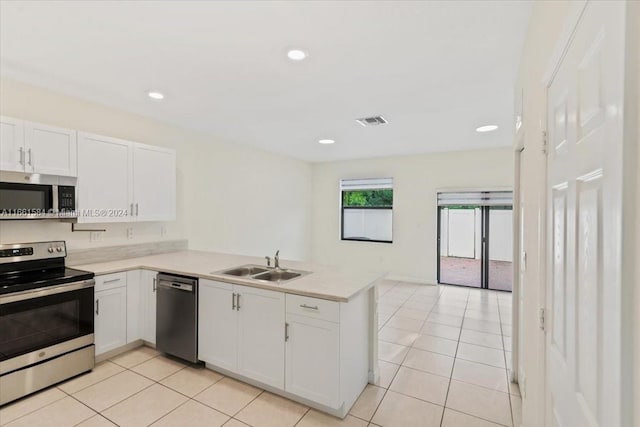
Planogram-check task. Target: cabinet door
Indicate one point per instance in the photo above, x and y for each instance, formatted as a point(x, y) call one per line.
point(312, 359)
point(50, 150)
point(154, 180)
point(148, 290)
point(110, 319)
point(217, 324)
point(261, 335)
point(104, 179)
point(12, 155)
point(135, 306)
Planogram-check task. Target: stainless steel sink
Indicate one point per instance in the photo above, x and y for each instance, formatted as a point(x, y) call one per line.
point(245, 270)
point(277, 275)
point(261, 273)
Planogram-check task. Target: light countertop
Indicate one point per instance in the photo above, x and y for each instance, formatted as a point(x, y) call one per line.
point(331, 283)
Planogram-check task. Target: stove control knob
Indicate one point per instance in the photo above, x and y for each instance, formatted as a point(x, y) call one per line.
point(59, 249)
point(50, 250)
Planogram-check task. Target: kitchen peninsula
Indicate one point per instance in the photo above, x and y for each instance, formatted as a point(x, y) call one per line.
point(311, 339)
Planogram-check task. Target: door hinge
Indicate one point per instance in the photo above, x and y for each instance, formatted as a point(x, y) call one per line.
point(542, 319)
point(545, 142)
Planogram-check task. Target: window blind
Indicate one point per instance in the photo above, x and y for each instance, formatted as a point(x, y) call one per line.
point(366, 184)
point(476, 198)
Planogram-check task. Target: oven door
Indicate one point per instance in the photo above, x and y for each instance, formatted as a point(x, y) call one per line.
point(40, 324)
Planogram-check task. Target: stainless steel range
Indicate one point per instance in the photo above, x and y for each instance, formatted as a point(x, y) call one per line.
point(46, 318)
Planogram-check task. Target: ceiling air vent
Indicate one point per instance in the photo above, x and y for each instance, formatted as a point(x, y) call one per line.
point(372, 121)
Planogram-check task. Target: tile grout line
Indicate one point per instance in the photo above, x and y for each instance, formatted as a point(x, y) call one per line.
point(446, 397)
point(507, 372)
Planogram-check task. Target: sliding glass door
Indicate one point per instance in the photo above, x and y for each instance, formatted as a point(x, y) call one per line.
point(475, 240)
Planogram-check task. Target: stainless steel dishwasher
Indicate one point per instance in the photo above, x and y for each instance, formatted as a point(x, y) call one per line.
point(177, 316)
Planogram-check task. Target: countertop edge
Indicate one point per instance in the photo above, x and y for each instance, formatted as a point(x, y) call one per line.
point(237, 282)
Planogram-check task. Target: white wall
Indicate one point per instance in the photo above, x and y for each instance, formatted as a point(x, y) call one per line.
point(416, 180)
point(230, 198)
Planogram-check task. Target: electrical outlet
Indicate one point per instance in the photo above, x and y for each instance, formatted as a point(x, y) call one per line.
point(96, 236)
point(163, 231)
point(130, 233)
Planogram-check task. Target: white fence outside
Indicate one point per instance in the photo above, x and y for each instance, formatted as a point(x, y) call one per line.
point(461, 234)
point(372, 224)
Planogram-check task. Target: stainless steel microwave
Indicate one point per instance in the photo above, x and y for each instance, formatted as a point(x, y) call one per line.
point(36, 200)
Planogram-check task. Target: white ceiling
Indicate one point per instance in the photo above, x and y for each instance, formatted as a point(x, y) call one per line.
point(436, 70)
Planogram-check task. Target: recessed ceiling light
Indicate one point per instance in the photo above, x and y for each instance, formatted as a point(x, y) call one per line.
point(326, 141)
point(296, 54)
point(486, 128)
point(155, 95)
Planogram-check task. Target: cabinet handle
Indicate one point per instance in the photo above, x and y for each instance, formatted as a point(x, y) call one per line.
point(154, 284)
point(131, 209)
point(238, 302)
point(111, 280)
point(286, 332)
point(136, 209)
point(233, 301)
point(314, 307)
point(21, 151)
point(97, 307)
point(30, 157)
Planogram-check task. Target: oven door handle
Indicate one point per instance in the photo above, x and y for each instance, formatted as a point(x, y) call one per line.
point(37, 293)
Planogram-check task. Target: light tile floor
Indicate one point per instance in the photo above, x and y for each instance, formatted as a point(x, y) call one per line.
point(444, 355)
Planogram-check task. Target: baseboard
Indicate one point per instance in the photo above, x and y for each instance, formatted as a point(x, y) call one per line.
point(410, 279)
point(118, 351)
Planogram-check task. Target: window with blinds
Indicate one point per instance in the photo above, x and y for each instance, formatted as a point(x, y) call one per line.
point(367, 209)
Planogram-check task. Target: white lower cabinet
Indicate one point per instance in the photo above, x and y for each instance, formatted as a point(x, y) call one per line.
point(241, 329)
point(148, 309)
point(125, 309)
point(313, 359)
point(110, 312)
point(217, 324)
point(261, 329)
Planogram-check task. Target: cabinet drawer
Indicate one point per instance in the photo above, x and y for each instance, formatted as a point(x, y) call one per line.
point(111, 281)
point(313, 307)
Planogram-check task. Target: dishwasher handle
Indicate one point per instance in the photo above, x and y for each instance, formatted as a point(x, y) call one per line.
point(162, 284)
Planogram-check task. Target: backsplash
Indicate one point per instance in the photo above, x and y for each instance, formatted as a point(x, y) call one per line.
point(113, 253)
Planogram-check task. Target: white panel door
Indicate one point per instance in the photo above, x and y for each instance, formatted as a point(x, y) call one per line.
point(217, 324)
point(148, 291)
point(261, 335)
point(313, 359)
point(583, 342)
point(12, 155)
point(105, 183)
point(110, 319)
point(154, 183)
point(50, 150)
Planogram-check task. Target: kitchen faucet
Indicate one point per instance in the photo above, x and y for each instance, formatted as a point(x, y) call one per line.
point(276, 260)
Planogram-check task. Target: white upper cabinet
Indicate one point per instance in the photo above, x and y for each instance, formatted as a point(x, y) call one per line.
point(154, 179)
point(50, 150)
point(124, 181)
point(37, 148)
point(105, 183)
point(12, 155)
